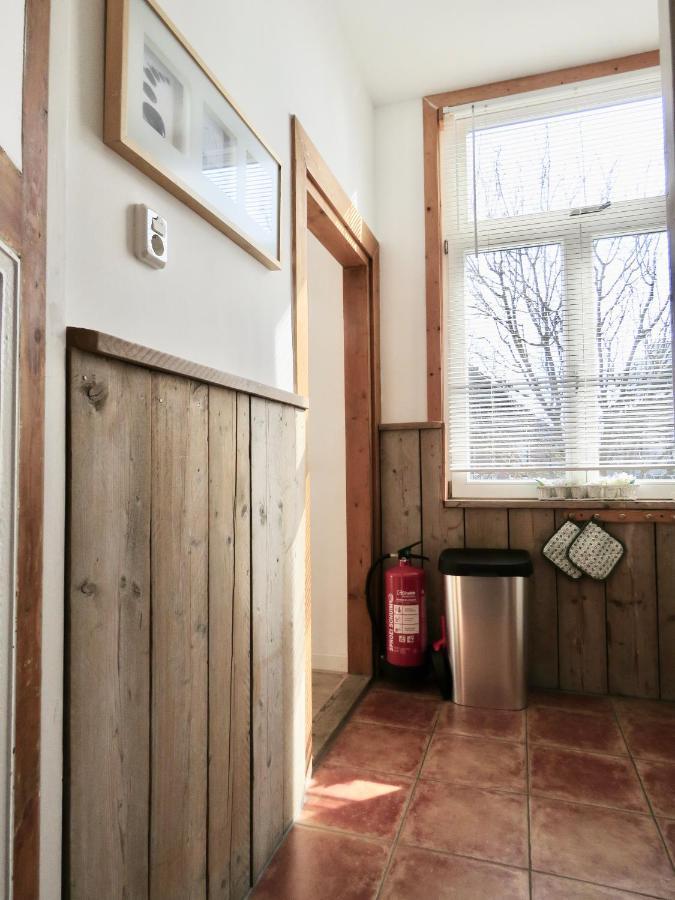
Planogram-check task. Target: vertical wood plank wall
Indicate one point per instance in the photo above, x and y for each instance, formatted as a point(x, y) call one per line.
point(612, 637)
point(185, 744)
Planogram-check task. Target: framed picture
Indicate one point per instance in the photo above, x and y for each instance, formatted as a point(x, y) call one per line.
point(167, 114)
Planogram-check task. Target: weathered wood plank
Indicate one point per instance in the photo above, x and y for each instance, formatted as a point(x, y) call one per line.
point(290, 478)
point(117, 348)
point(229, 646)
point(632, 634)
point(529, 529)
point(240, 704)
point(582, 639)
point(222, 518)
point(267, 633)
point(441, 527)
point(179, 638)
point(108, 638)
point(401, 489)
point(665, 574)
point(487, 528)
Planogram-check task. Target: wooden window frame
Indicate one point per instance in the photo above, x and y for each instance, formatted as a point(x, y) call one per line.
point(432, 108)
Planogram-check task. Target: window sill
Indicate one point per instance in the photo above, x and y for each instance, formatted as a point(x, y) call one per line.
point(506, 503)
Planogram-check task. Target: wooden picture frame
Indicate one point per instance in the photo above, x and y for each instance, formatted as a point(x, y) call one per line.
point(166, 113)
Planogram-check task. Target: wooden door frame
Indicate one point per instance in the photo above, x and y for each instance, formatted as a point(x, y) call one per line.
point(322, 207)
point(23, 207)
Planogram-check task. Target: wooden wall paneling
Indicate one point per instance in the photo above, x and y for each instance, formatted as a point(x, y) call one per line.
point(222, 519)
point(486, 528)
point(179, 698)
point(401, 489)
point(359, 469)
point(240, 725)
point(665, 575)
point(108, 616)
point(529, 529)
point(290, 481)
point(441, 527)
point(267, 583)
point(582, 636)
point(229, 646)
point(117, 348)
point(632, 631)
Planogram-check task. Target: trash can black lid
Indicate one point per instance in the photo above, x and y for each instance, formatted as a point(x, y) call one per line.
point(490, 563)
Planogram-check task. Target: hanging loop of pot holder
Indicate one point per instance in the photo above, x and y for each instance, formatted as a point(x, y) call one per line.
point(555, 549)
point(595, 552)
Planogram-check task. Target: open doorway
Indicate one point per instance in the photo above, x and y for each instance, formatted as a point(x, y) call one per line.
point(336, 261)
point(333, 688)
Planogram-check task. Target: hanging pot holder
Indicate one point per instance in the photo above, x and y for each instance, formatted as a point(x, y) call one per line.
point(595, 552)
point(555, 549)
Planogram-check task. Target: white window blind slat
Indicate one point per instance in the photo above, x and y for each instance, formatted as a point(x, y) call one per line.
point(559, 323)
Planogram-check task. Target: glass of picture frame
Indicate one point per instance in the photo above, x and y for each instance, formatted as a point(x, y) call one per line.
point(166, 113)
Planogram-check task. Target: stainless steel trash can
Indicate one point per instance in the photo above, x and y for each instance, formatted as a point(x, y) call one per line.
point(486, 616)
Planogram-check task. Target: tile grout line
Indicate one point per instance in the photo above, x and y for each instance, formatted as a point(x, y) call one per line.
point(413, 788)
point(644, 790)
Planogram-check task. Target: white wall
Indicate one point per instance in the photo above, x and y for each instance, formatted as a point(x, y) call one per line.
point(11, 77)
point(399, 225)
point(214, 303)
point(327, 460)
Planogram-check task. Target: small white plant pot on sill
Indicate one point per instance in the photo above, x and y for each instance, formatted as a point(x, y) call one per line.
point(579, 491)
point(544, 492)
point(610, 491)
point(593, 491)
point(560, 492)
point(628, 492)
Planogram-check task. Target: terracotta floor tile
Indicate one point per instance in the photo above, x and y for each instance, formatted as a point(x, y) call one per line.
point(585, 778)
point(650, 738)
point(392, 708)
point(658, 779)
point(356, 800)
point(607, 846)
point(313, 863)
point(425, 875)
point(577, 730)
point(589, 703)
point(428, 689)
point(550, 887)
point(468, 821)
point(631, 708)
point(506, 724)
point(378, 747)
point(461, 759)
point(668, 831)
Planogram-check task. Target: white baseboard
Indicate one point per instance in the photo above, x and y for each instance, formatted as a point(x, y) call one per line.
point(329, 663)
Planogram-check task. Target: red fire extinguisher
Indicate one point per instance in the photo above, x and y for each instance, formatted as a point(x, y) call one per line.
point(400, 627)
point(405, 614)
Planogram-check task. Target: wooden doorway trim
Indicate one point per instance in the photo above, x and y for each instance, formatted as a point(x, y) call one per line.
point(23, 207)
point(322, 207)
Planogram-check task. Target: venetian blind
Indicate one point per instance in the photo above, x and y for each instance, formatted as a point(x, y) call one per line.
point(559, 329)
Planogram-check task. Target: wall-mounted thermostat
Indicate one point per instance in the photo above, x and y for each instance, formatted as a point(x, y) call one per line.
point(150, 239)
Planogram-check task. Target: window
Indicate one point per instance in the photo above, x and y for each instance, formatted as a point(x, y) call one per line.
point(559, 328)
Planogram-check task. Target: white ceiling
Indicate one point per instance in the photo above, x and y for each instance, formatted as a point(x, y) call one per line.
point(408, 48)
